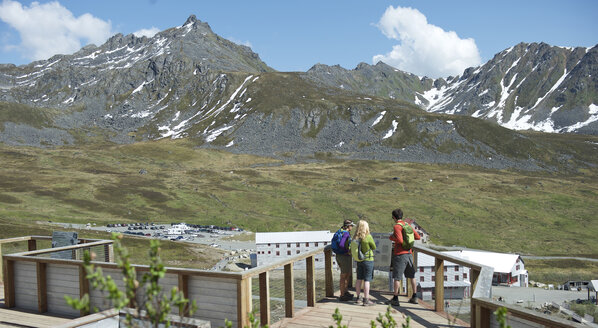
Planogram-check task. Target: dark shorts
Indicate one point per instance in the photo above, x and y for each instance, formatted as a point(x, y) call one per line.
point(402, 264)
point(365, 270)
point(345, 262)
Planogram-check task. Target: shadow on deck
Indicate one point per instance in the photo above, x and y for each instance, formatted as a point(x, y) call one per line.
point(354, 315)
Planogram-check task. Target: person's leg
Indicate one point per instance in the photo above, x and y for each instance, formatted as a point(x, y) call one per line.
point(344, 283)
point(366, 290)
point(358, 288)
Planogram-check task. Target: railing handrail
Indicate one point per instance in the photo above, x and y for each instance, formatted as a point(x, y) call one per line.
point(447, 257)
point(63, 248)
point(295, 258)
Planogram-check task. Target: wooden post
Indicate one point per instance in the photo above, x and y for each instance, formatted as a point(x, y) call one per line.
point(439, 285)
point(31, 245)
point(9, 284)
point(416, 270)
point(42, 289)
point(83, 286)
point(265, 298)
point(1, 266)
point(108, 253)
point(289, 291)
point(328, 273)
point(243, 301)
point(184, 289)
point(480, 317)
point(310, 281)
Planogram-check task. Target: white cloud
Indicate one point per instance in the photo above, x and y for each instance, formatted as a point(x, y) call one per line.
point(239, 42)
point(148, 32)
point(424, 49)
point(48, 29)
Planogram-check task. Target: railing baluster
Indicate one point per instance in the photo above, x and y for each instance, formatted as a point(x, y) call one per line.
point(310, 282)
point(439, 285)
point(9, 284)
point(31, 245)
point(243, 301)
point(42, 290)
point(83, 285)
point(289, 291)
point(265, 298)
point(328, 272)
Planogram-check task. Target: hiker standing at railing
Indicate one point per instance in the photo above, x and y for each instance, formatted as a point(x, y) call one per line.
point(340, 246)
point(362, 250)
point(403, 236)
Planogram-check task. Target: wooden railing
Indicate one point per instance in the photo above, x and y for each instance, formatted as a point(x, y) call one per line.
point(227, 295)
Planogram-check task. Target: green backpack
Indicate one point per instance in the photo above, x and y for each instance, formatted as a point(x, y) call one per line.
point(408, 236)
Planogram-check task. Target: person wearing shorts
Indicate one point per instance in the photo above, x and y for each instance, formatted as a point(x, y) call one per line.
point(344, 261)
point(402, 260)
point(365, 267)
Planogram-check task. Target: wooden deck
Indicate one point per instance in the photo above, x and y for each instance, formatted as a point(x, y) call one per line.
point(19, 318)
point(422, 315)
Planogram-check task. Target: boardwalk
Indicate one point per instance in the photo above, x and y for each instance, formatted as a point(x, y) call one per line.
point(355, 316)
point(16, 318)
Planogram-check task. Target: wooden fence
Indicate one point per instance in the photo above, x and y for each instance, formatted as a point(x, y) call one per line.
point(36, 282)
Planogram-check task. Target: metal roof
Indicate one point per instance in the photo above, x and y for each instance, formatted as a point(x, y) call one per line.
point(501, 262)
point(293, 237)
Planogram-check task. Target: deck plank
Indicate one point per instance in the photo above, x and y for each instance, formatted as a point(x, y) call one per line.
point(356, 315)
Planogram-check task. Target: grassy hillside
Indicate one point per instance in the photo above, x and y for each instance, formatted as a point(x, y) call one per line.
point(166, 181)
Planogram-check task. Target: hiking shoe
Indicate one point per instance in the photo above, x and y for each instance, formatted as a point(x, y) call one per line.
point(359, 300)
point(349, 295)
point(367, 302)
point(345, 298)
point(413, 300)
point(394, 302)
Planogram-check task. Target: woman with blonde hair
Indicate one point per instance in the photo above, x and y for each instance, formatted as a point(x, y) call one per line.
point(363, 240)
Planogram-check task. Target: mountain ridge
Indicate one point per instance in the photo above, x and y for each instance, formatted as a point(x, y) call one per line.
point(188, 82)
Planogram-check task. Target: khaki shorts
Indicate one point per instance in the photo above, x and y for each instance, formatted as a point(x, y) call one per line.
point(344, 261)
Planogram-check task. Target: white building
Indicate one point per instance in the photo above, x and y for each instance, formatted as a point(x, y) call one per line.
point(509, 269)
point(177, 229)
point(274, 246)
point(456, 279)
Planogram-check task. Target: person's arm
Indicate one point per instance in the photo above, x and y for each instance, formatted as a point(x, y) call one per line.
point(371, 242)
point(416, 235)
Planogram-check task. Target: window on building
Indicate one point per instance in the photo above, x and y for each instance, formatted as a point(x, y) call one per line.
point(316, 245)
point(433, 278)
point(269, 252)
point(288, 252)
point(317, 259)
point(277, 253)
point(325, 243)
point(445, 269)
point(422, 279)
point(456, 277)
point(465, 276)
point(306, 244)
point(421, 269)
point(277, 246)
point(517, 267)
point(298, 251)
point(297, 244)
point(456, 269)
point(268, 244)
point(445, 278)
point(288, 244)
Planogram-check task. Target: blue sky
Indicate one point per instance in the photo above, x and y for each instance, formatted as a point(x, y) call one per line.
point(433, 38)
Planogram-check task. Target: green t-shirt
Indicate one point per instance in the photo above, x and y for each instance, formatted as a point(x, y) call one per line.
point(367, 247)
